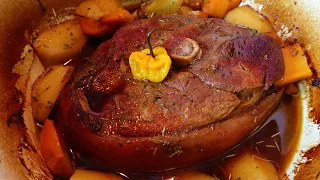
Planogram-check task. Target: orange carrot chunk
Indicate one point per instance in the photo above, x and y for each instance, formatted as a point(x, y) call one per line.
point(219, 8)
point(80, 174)
point(296, 65)
point(198, 13)
point(94, 27)
point(117, 19)
point(54, 151)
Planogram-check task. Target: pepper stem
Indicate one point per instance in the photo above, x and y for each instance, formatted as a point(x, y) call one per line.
point(149, 36)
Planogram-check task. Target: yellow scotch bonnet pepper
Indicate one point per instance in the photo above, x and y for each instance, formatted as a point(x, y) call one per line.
point(144, 66)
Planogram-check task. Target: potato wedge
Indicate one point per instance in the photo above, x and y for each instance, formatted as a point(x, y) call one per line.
point(249, 166)
point(246, 16)
point(162, 7)
point(46, 90)
point(89, 9)
point(194, 175)
point(80, 174)
point(60, 43)
point(54, 151)
point(109, 6)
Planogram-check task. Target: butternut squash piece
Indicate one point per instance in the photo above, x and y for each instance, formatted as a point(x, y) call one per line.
point(296, 65)
point(54, 151)
point(80, 174)
point(46, 90)
point(89, 9)
point(219, 8)
point(194, 175)
point(249, 166)
point(60, 43)
point(246, 16)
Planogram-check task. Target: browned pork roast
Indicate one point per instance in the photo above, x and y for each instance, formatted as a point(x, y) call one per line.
point(198, 112)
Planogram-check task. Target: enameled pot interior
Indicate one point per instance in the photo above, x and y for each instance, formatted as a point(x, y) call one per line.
point(18, 158)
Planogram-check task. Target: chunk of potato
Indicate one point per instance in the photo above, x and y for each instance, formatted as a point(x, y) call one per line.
point(249, 166)
point(161, 7)
point(80, 174)
point(89, 9)
point(55, 152)
point(109, 6)
point(194, 175)
point(46, 90)
point(246, 16)
point(296, 65)
point(60, 43)
point(131, 5)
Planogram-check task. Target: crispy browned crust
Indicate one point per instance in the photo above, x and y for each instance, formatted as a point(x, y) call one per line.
point(157, 153)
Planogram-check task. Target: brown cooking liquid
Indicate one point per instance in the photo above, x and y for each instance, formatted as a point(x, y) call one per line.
point(277, 141)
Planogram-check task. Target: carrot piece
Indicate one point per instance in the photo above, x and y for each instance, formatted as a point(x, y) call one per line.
point(135, 15)
point(296, 65)
point(80, 174)
point(219, 8)
point(117, 19)
point(94, 27)
point(198, 13)
point(54, 151)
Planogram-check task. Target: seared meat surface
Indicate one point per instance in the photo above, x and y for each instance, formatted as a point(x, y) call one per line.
point(223, 93)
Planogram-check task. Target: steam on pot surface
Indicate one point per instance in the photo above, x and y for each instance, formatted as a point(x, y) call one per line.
point(164, 89)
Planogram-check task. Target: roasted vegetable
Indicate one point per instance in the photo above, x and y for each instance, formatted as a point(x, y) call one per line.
point(161, 7)
point(296, 65)
point(46, 90)
point(151, 64)
point(60, 43)
point(117, 19)
point(184, 10)
point(219, 8)
point(194, 175)
point(132, 5)
point(198, 13)
point(249, 166)
point(97, 8)
point(80, 174)
point(107, 24)
point(144, 66)
point(95, 27)
point(194, 4)
point(55, 152)
point(89, 9)
point(109, 6)
point(246, 16)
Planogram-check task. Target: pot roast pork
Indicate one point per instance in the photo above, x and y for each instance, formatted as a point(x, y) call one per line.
point(197, 113)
